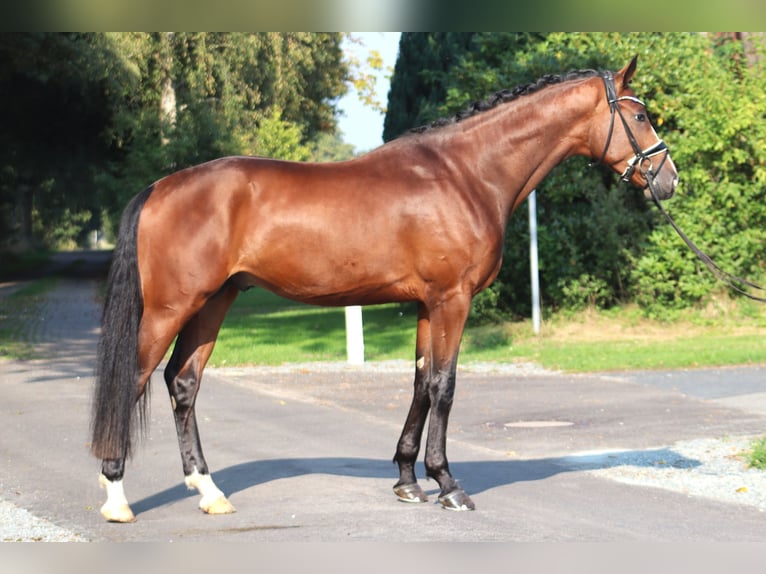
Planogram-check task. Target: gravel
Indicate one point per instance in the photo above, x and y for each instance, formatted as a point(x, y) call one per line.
point(709, 468)
point(20, 525)
point(392, 366)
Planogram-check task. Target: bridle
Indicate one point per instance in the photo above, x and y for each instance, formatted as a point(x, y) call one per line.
point(642, 158)
point(643, 162)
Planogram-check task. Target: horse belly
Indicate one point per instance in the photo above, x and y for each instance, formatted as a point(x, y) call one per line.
point(327, 273)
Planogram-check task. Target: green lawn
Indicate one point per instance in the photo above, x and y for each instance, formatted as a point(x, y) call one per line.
point(264, 329)
point(688, 352)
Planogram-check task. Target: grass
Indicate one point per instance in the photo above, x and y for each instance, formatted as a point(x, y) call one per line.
point(262, 328)
point(756, 458)
point(672, 346)
point(19, 316)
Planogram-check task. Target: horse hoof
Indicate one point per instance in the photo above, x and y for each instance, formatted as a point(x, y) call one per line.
point(117, 513)
point(220, 505)
point(116, 507)
point(457, 500)
point(410, 493)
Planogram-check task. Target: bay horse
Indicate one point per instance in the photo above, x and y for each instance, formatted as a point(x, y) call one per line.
point(419, 219)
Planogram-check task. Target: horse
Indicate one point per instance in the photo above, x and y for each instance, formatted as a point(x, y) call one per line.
point(419, 219)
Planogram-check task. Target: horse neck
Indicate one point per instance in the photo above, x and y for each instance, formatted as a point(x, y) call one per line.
point(510, 149)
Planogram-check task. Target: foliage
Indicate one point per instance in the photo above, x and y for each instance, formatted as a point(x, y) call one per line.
point(600, 243)
point(756, 458)
point(418, 83)
point(362, 75)
point(276, 138)
point(331, 147)
point(55, 90)
point(266, 94)
point(97, 117)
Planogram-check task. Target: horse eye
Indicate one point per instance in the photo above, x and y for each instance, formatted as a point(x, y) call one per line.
point(641, 117)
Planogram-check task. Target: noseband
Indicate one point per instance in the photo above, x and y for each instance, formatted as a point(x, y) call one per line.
point(642, 158)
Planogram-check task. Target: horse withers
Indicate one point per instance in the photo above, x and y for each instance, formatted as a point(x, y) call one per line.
point(420, 219)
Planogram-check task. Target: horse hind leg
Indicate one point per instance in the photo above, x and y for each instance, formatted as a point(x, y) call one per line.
point(183, 375)
point(407, 488)
point(116, 507)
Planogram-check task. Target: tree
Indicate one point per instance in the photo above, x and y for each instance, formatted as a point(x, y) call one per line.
point(55, 91)
point(260, 94)
point(93, 118)
point(418, 84)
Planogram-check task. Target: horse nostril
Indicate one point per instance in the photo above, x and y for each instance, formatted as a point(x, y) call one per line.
point(673, 186)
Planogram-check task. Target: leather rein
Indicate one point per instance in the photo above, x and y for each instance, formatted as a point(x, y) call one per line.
point(642, 161)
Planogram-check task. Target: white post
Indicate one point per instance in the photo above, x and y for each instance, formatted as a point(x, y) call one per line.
point(354, 335)
point(533, 268)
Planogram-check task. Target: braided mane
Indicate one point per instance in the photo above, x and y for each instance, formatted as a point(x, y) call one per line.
point(504, 96)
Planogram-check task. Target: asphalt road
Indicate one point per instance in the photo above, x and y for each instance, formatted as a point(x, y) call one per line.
point(305, 455)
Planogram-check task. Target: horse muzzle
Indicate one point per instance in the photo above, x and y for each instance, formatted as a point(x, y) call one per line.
point(661, 186)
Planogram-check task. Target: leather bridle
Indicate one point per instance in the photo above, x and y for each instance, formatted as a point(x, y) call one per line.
point(641, 159)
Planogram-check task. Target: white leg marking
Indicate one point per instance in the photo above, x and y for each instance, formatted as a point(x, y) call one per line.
point(420, 362)
point(213, 500)
point(116, 508)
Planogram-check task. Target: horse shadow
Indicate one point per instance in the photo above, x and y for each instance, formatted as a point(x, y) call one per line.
point(479, 476)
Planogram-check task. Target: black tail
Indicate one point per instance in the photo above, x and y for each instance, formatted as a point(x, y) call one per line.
point(117, 369)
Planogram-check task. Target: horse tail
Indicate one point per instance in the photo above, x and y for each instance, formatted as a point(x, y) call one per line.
point(117, 367)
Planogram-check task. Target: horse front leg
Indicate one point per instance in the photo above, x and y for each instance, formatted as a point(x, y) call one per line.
point(442, 390)
point(447, 324)
point(183, 375)
point(183, 388)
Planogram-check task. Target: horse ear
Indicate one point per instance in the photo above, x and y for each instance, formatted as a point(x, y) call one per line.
point(628, 71)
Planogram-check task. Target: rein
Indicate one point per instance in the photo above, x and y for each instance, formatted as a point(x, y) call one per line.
point(639, 160)
point(736, 283)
